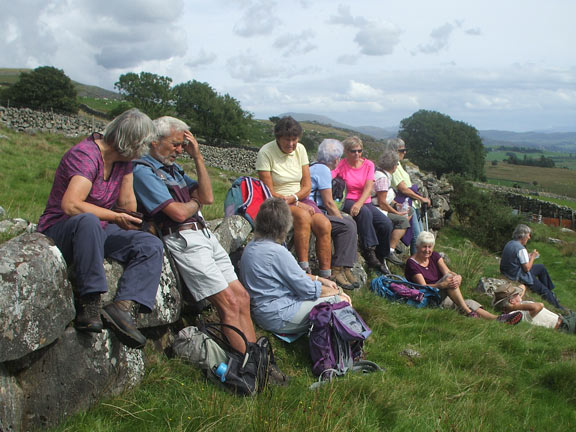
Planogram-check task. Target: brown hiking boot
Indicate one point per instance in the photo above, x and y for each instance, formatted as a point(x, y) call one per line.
point(340, 278)
point(120, 316)
point(351, 278)
point(88, 313)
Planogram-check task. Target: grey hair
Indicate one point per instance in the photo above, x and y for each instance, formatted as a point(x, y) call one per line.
point(130, 133)
point(351, 142)
point(273, 220)
point(393, 144)
point(521, 231)
point(166, 125)
point(425, 238)
point(329, 150)
point(388, 160)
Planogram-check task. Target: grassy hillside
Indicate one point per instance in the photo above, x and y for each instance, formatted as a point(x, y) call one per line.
point(555, 180)
point(469, 375)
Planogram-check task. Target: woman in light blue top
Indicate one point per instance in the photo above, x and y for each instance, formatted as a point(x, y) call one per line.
point(281, 293)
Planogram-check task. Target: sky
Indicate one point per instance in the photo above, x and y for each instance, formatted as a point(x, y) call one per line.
point(494, 64)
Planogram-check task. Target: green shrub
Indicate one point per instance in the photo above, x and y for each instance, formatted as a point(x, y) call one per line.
point(486, 219)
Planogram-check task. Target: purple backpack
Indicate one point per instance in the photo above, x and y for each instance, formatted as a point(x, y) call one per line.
point(337, 335)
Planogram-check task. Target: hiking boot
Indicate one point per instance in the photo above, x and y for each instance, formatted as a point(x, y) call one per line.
point(395, 259)
point(351, 278)
point(340, 278)
point(384, 268)
point(371, 258)
point(511, 318)
point(119, 315)
point(88, 313)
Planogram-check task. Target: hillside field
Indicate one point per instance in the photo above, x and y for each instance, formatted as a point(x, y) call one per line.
point(559, 181)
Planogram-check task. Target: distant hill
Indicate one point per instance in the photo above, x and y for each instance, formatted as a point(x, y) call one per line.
point(9, 76)
point(373, 131)
point(551, 141)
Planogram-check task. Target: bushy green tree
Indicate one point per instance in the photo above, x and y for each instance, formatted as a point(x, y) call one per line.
point(218, 118)
point(150, 93)
point(487, 220)
point(45, 88)
point(442, 145)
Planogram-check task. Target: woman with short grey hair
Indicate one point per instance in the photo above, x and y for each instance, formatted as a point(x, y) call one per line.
point(344, 234)
point(281, 293)
point(90, 216)
point(518, 265)
point(407, 191)
point(383, 198)
point(427, 267)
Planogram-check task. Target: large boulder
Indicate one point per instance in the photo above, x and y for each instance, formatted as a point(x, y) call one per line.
point(232, 232)
point(36, 302)
point(68, 376)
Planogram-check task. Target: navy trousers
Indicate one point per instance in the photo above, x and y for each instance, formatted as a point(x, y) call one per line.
point(85, 244)
point(543, 284)
point(374, 228)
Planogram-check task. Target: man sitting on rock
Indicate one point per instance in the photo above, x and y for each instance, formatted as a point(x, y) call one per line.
point(174, 201)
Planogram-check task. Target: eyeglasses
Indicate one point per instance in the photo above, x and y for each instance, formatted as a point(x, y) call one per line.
point(355, 151)
point(402, 150)
point(182, 144)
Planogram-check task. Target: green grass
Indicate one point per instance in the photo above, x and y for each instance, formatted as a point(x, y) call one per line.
point(555, 180)
point(100, 104)
point(471, 374)
point(562, 160)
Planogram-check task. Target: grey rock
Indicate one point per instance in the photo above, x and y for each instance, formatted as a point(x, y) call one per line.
point(488, 285)
point(35, 295)
point(554, 241)
point(75, 372)
point(233, 232)
point(410, 353)
point(11, 402)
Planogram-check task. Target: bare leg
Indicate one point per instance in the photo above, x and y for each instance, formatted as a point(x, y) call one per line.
point(395, 237)
point(302, 221)
point(322, 230)
point(233, 306)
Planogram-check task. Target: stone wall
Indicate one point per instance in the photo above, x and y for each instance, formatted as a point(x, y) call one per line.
point(519, 200)
point(48, 370)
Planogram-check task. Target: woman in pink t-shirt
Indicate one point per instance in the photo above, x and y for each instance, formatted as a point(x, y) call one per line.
point(374, 227)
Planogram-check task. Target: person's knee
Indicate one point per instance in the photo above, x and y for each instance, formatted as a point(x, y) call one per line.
point(87, 221)
point(321, 226)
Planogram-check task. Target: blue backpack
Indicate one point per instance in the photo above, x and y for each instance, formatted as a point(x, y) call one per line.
point(397, 289)
point(245, 197)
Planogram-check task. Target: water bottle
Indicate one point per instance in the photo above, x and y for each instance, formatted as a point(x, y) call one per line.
point(220, 371)
point(405, 206)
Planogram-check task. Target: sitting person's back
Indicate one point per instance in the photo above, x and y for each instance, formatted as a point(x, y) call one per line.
point(281, 293)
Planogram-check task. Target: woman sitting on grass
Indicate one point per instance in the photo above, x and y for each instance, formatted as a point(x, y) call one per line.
point(281, 293)
point(427, 267)
point(509, 299)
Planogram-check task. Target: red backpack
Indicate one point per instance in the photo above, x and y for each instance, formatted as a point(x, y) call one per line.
point(245, 197)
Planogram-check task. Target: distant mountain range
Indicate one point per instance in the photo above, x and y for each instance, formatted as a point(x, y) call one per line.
point(551, 141)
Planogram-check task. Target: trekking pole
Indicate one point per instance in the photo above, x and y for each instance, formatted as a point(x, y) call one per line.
point(424, 216)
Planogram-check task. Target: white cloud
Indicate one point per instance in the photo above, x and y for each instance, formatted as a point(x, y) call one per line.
point(361, 91)
point(344, 17)
point(440, 38)
point(258, 19)
point(348, 59)
point(202, 58)
point(378, 39)
point(299, 43)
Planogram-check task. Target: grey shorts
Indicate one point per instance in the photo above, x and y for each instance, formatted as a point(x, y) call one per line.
point(398, 221)
point(202, 262)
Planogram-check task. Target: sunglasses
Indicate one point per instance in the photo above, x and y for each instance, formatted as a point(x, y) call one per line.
point(355, 151)
point(402, 150)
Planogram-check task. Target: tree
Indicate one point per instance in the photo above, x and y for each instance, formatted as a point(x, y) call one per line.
point(150, 93)
point(45, 88)
point(217, 118)
point(442, 145)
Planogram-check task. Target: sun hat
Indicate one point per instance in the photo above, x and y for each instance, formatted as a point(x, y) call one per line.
point(504, 293)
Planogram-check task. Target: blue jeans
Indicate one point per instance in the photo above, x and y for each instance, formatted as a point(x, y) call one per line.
point(85, 244)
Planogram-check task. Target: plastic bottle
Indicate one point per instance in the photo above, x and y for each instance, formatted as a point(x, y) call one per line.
point(220, 371)
point(405, 206)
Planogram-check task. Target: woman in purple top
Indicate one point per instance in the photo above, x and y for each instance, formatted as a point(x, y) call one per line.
point(93, 177)
point(427, 267)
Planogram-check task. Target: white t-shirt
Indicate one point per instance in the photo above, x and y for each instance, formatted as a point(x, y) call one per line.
point(544, 318)
point(523, 256)
point(382, 184)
